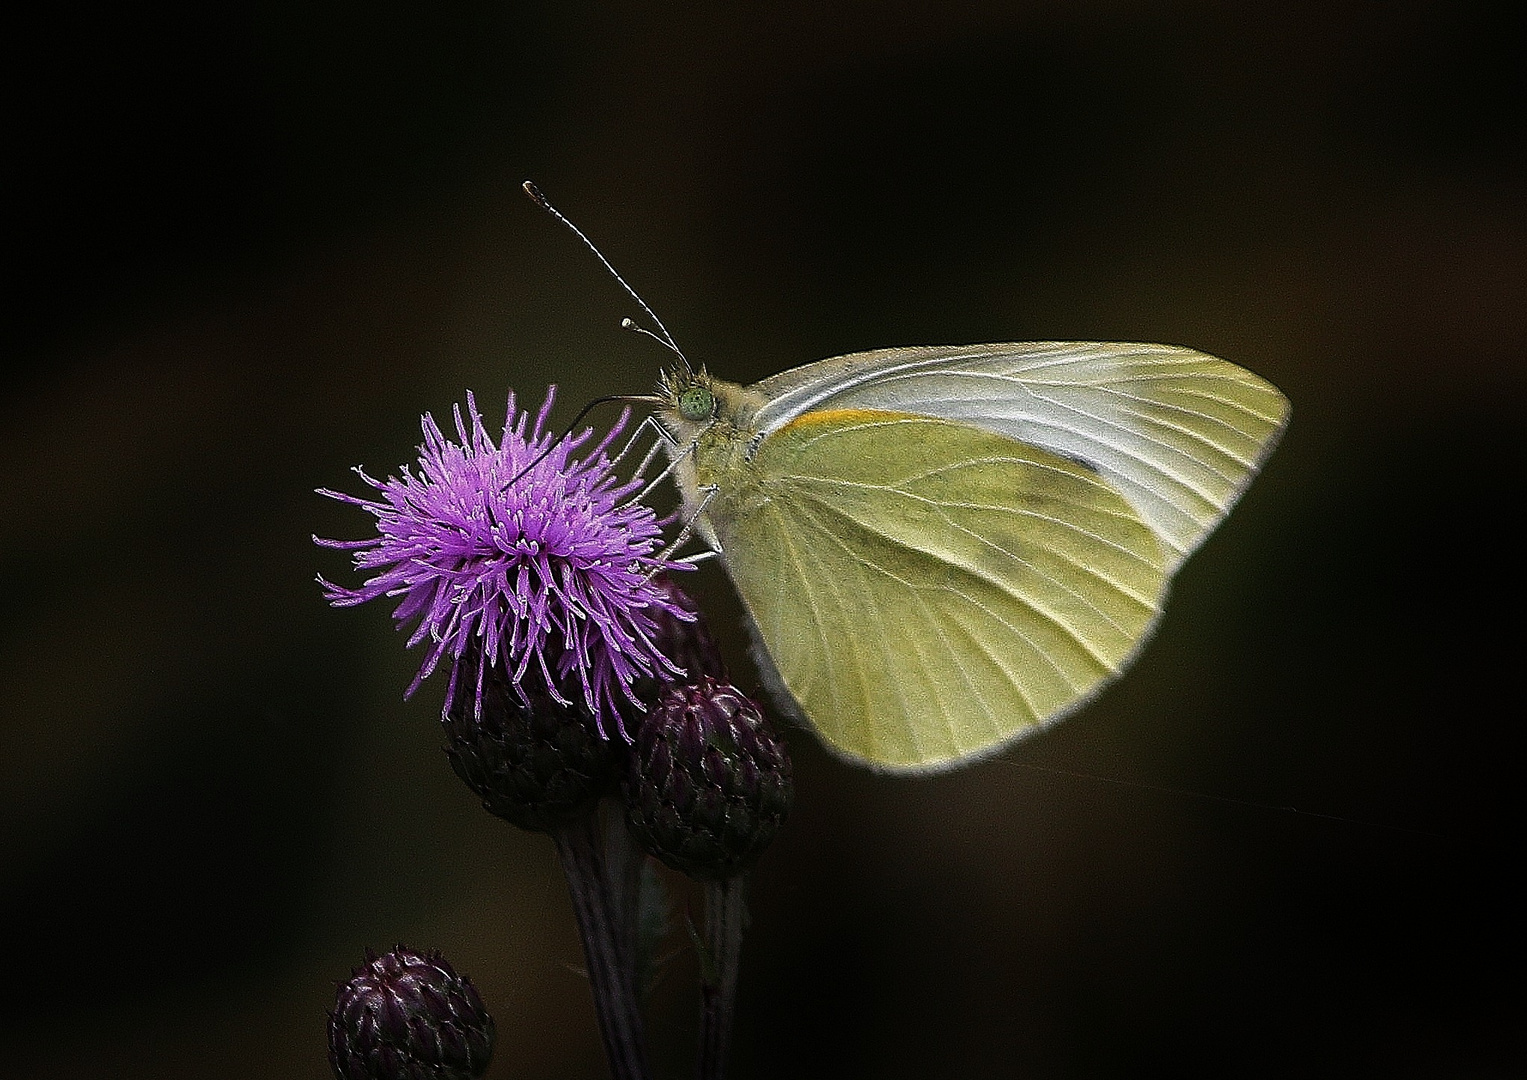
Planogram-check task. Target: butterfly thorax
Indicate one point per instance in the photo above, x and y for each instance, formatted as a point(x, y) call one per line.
point(709, 422)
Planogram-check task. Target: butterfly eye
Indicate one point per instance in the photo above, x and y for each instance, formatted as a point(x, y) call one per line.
point(697, 403)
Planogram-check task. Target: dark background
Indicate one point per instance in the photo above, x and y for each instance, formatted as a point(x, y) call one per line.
point(246, 245)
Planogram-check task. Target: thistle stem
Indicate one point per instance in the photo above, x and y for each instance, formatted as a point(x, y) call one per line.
point(599, 902)
point(623, 862)
point(725, 915)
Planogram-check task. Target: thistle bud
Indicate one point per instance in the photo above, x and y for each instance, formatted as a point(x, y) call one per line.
point(687, 642)
point(537, 765)
point(406, 1015)
point(709, 781)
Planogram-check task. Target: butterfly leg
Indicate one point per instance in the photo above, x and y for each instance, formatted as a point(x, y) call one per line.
point(648, 423)
point(688, 530)
point(666, 440)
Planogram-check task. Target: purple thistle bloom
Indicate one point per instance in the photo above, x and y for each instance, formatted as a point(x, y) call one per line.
point(549, 576)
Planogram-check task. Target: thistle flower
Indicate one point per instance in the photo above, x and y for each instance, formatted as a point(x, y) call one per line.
point(536, 764)
point(548, 575)
point(407, 1015)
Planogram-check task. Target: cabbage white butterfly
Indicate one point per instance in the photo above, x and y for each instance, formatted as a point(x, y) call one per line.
point(945, 548)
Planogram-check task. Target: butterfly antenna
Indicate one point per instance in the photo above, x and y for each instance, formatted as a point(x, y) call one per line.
point(666, 340)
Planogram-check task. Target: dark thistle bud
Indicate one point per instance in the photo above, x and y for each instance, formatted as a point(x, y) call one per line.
point(679, 632)
point(687, 642)
point(406, 1015)
point(537, 765)
point(709, 781)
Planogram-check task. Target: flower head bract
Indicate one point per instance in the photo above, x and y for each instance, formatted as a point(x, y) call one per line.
point(547, 575)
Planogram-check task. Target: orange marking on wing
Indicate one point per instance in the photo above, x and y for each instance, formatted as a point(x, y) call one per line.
point(851, 416)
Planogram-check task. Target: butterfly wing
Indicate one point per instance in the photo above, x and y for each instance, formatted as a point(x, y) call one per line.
point(928, 590)
point(1177, 432)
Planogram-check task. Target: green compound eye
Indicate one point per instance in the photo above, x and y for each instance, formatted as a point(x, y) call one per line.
point(696, 403)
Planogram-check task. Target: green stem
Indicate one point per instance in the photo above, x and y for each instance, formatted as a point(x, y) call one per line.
point(600, 904)
point(725, 915)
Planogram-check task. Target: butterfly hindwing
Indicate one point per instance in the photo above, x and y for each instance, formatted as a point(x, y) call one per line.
point(929, 590)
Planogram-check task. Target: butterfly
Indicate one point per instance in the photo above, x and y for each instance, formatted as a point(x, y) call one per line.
point(943, 549)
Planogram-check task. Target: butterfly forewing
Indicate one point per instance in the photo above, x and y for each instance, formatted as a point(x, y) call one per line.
point(930, 590)
point(1178, 433)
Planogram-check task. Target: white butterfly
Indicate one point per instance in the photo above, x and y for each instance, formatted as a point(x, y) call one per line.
point(944, 548)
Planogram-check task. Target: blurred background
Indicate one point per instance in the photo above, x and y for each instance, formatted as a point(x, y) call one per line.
point(247, 245)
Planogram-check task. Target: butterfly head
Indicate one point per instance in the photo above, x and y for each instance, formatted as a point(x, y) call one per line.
point(697, 408)
point(696, 402)
point(688, 402)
